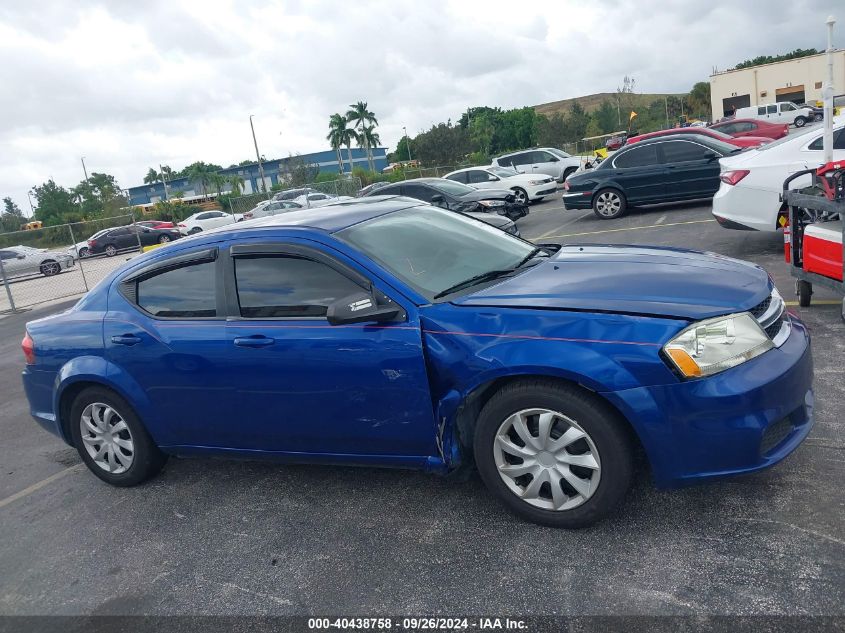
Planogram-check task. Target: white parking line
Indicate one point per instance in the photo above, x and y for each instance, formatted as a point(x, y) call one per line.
point(39, 485)
point(630, 228)
point(661, 219)
point(568, 222)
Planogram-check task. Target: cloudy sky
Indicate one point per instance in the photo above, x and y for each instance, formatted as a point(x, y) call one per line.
point(129, 83)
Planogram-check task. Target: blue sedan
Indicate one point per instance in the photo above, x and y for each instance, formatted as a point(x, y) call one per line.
point(388, 332)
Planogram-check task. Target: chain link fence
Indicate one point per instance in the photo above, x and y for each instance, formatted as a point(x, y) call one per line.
point(342, 187)
point(58, 262)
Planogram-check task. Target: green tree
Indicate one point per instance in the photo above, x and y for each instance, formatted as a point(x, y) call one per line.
point(481, 130)
point(404, 151)
point(12, 216)
point(369, 138)
point(55, 203)
point(237, 184)
point(768, 59)
point(200, 173)
point(151, 177)
point(699, 100)
point(606, 117)
point(218, 181)
point(444, 144)
point(577, 122)
point(337, 123)
point(359, 115)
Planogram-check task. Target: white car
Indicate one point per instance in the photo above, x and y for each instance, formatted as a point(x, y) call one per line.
point(20, 261)
point(781, 112)
point(318, 199)
point(526, 187)
point(752, 181)
point(540, 160)
point(272, 207)
point(205, 220)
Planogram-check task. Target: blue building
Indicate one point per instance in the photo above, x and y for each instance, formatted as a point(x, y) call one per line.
point(274, 171)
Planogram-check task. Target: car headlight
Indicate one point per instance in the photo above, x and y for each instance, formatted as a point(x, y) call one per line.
point(534, 183)
point(491, 203)
point(708, 347)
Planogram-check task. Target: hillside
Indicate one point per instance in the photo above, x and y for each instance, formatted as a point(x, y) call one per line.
point(590, 103)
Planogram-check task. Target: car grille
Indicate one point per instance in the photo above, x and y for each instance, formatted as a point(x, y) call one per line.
point(770, 315)
point(775, 434)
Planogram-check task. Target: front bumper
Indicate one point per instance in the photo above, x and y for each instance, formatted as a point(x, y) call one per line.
point(742, 420)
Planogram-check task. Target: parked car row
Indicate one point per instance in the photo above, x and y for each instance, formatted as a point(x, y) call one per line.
point(22, 261)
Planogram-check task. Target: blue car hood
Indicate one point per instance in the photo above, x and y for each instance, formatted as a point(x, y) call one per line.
point(644, 280)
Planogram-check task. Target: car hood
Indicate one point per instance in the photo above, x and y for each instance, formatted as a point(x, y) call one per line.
point(645, 280)
point(494, 219)
point(525, 178)
point(486, 194)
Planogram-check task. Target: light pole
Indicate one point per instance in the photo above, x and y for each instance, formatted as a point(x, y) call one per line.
point(407, 143)
point(31, 208)
point(84, 171)
point(827, 93)
point(258, 157)
point(164, 182)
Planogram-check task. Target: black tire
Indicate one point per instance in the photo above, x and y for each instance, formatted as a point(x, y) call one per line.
point(609, 204)
point(567, 172)
point(164, 239)
point(111, 250)
point(804, 289)
point(607, 431)
point(800, 121)
point(50, 267)
point(147, 459)
point(521, 195)
point(196, 229)
point(818, 117)
point(83, 253)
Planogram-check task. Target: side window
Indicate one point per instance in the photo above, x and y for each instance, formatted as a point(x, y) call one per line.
point(476, 176)
point(761, 110)
point(543, 157)
point(772, 109)
point(7, 255)
point(281, 286)
point(517, 160)
point(118, 232)
point(461, 176)
point(730, 128)
point(680, 151)
point(186, 292)
point(746, 126)
point(205, 216)
point(788, 106)
point(389, 190)
point(838, 141)
point(418, 191)
point(641, 156)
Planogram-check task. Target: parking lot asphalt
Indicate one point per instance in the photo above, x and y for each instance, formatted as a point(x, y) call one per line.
point(226, 537)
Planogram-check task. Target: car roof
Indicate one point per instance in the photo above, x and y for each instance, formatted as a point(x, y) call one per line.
point(334, 217)
point(457, 171)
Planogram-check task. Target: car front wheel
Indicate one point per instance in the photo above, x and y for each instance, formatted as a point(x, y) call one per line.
point(521, 195)
point(164, 239)
point(554, 454)
point(196, 229)
point(609, 204)
point(111, 439)
point(83, 253)
point(800, 121)
point(50, 268)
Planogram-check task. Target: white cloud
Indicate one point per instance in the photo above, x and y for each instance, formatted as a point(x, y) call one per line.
point(130, 84)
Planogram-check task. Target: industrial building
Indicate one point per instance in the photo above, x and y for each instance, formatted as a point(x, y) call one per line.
point(798, 80)
point(274, 171)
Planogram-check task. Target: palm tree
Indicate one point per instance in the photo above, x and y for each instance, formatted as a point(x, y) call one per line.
point(200, 174)
point(237, 184)
point(360, 115)
point(337, 122)
point(371, 139)
point(218, 181)
point(151, 177)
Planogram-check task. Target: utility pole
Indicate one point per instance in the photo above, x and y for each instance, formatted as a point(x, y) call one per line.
point(258, 158)
point(666, 103)
point(827, 93)
point(85, 171)
point(164, 182)
point(31, 208)
point(407, 143)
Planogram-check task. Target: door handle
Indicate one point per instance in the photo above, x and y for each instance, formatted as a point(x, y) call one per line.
point(254, 341)
point(125, 339)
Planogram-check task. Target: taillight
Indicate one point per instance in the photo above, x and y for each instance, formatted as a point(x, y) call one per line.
point(28, 347)
point(181, 225)
point(734, 176)
point(92, 243)
point(248, 215)
point(566, 185)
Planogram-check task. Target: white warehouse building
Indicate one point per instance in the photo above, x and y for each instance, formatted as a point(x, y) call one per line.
point(798, 80)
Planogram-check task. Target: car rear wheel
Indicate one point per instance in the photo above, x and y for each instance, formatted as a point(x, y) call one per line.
point(521, 195)
point(196, 229)
point(609, 204)
point(164, 239)
point(568, 172)
point(111, 251)
point(800, 121)
point(83, 253)
point(50, 268)
point(111, 439)
point(818, 117)
point(554, 454)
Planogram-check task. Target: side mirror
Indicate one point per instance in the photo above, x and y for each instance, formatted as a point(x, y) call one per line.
point(711, 156)
point(21, 257)
point(492, 178)
point(360, 307)
point(146, 229)
point(554, 159)
point(437, 199)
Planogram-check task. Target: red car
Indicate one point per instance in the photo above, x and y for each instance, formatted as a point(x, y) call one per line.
point(615, 142)
point(745, 141)
point(739, 128)
point(156, 224)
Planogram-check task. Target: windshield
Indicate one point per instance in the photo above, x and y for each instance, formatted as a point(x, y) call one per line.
point(559, 152)
point(502, 172)
point(432, 249)
point(451, 187)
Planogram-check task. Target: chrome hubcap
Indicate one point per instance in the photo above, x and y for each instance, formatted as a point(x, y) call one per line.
point(106, 438)
point(110, 250)
point(546, 459)
point(51, 269)
point(521, 196)
point(608, 204)
point(164, 239)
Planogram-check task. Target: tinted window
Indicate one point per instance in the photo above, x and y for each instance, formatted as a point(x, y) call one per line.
point(477, 176)
point(786, 107)
point(205, 216)
point(7, 255)
point(288, 287)
point(419, 192)
point(637, 157)
point(186, 292)
point(728, 128)
point(772, 109)
point(680, 151)
point(761, 110)
point(389, 190)
point(461, 176)
point(745, 126)
point(121, 231)
point(838, 141)
point(542, 157)
point(523, 158)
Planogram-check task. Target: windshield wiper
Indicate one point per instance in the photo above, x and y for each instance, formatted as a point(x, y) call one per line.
point(534, 252)
point(488, 276)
